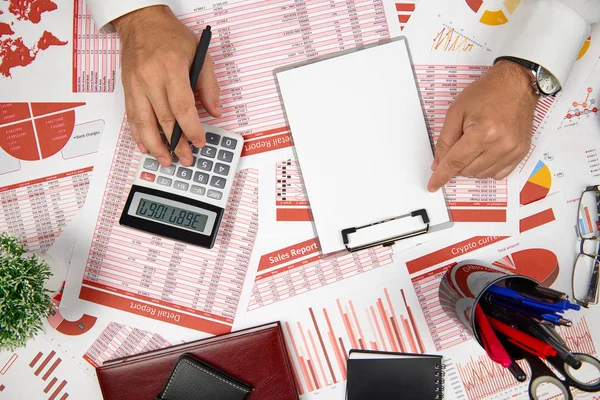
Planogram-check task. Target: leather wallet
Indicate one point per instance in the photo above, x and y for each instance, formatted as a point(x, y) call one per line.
point(193, 379)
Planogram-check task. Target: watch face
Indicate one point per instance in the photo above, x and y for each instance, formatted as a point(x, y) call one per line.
point(547, 83)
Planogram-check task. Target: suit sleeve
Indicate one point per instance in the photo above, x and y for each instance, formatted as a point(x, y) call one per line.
point(551, 33)
point(106, 11)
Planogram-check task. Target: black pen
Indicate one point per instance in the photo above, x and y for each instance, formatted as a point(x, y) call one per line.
point(535, 290)
point(197, 64)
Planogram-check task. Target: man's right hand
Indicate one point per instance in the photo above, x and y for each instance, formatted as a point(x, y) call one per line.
point(157, 52)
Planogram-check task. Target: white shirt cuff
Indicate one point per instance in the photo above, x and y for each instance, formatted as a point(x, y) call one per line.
point(106, 11)
point(548, 33)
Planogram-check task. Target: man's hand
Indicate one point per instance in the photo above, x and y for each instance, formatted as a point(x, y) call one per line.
point(487, 130)
point(158, 51)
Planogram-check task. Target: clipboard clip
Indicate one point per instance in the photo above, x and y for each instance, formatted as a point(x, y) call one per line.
point(389, 241)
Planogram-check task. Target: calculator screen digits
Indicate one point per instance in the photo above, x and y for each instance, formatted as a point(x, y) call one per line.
point(170, 215)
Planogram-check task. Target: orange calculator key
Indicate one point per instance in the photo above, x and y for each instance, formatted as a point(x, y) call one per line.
point(146, 176)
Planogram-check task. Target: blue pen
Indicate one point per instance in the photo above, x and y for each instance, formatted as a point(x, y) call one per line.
point(558, 306)
point(520, 308)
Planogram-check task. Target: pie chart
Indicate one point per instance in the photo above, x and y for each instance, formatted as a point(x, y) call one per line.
point(34, 131)
point(536, 263)
point(538, 185)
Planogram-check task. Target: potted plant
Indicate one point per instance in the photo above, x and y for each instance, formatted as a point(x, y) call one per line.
point(24, 300)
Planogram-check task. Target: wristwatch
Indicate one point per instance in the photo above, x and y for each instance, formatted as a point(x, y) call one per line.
point(545, 83)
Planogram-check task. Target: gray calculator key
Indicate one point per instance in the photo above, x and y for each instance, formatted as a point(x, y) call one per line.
point(204, 165)
point(213, 194)
point(151, 164)
point(170, 170)
point(184, 173)
point(201, 177)
point(161, 180)
point(225, 155)
point(212, 138)
point(228, 143)
point(221, 169)
point(181, 185)
point(208, 151)
point(199, 190)
point(218, 182)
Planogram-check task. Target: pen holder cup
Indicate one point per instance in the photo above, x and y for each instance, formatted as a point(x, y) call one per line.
point(465, 284)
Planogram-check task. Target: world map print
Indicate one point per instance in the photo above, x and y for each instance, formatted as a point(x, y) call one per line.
point(14, 50)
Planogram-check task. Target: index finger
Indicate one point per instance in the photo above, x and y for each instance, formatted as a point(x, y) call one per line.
point(458, 157)
point(183, 105)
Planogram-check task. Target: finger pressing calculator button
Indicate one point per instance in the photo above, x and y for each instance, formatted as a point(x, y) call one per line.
point(205, 165)
point(170, 170)
point(199, 190)
point(201, 177)
point(225, 155)
point(218, 182)
point(213, 194)
point(151, 164)
point(208, 151)
point(221, 169)
point(184, 173)
point(212, 138)
point(161, 180)
point(181, 185)
point(147, 176)
point(228, 143)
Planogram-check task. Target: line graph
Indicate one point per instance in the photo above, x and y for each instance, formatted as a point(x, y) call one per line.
point(584, 107)
point(319, 344)
point(448, 39)
point(482, 377)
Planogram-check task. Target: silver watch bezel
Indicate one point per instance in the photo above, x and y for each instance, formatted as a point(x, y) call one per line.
point(537, 73)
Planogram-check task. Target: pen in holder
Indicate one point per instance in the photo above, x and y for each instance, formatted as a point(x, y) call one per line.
point(467, 284)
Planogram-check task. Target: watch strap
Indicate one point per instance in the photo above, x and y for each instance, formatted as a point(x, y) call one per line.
point(533, 67)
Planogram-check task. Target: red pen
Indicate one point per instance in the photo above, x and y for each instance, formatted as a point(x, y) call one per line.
point(524, 341)
point(491, 343)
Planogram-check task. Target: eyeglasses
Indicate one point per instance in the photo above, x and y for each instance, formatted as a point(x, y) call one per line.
point(586, 271)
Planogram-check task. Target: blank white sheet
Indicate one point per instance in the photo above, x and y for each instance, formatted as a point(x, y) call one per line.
point(362, 143)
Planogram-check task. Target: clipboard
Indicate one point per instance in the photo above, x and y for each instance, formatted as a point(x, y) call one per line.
point(362, 144)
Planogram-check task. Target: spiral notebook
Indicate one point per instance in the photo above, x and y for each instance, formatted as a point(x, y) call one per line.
point(384, 375)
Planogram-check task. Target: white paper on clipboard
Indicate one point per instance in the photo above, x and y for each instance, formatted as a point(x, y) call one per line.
point(362, 143)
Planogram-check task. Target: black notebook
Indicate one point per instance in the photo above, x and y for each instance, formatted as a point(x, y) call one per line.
point(404, 376)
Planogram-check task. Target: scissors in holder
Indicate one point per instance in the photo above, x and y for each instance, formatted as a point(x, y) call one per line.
point(571, 378)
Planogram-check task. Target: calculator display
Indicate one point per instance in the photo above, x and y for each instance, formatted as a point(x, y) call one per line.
point(170, 215)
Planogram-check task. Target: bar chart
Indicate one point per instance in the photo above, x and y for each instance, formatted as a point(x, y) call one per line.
point(43, 367)
point(319, 344)
point(481, 377)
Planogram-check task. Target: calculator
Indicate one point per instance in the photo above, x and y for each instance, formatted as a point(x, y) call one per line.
point(185, 203)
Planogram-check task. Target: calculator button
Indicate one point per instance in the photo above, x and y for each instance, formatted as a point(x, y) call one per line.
point(181, 185)
point(147, 176)
point(228, 143)
point(213, 194)
point(208, 151)
point(164, 181)
point(170, 170)
point(184, 173)
point(199, 190)
point(151, 164)
point(221, 169)
point(201, 177)
point(218, 182)
point(205, 165)
point(225, 155)
point(212, 138)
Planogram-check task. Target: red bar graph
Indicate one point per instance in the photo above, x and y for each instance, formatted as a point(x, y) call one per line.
point(578, 337)
point(9, 363)
point(320, 343)
point(47, 366)
point(481, 377)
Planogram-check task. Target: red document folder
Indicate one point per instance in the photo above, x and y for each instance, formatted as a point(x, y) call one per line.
point(256, 356)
